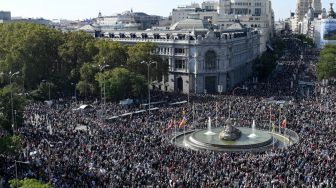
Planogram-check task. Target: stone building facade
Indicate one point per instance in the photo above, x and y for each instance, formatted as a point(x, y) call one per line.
point(200, 60)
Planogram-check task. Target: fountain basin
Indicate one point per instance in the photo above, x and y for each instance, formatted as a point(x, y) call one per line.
point(198, 140)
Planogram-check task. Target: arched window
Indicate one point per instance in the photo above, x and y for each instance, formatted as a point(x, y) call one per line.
point(210, 60)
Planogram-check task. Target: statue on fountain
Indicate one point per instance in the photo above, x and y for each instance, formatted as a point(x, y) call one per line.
point(230, 132)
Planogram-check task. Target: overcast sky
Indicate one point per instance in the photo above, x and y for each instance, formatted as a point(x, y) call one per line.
point(80, 9)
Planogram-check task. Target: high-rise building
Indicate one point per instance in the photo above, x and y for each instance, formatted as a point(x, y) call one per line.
point(317, 6)
point(302, 8)
point(5, 15)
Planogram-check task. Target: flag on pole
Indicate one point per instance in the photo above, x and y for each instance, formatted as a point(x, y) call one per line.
point(284, 123)
point(170, 124)
point(183, 112)
point(183, 122)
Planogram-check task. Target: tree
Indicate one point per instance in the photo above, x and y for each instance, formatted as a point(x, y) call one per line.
point(79, 48)
point(28, 183)
point(111, 53)
point(326, 67)
point(10, 145)
point(87, 83)
point(145, 52)
point(305, 39)
point(266, 63)
point(6, 107)
point(121, 83)
point(30, 49)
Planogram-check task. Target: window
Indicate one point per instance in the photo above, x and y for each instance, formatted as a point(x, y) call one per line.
point(179, 64)
point(210, 60)
point(257, 11)
point(179, 50)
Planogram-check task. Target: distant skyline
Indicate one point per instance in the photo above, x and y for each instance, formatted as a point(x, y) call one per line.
point(81, 9)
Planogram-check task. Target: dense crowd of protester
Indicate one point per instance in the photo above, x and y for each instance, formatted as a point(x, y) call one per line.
point(78, 148)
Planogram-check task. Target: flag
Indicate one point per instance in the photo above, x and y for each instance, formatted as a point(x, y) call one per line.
point(170, 125)
point(183, 112)
point(283, 124)
point(183, 122)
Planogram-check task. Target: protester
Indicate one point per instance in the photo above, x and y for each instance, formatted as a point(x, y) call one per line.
point(77, 148)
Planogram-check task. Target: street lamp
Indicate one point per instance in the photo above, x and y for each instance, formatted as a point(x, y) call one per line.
point(148, 65)
point(16, 174)
point(188, 69)
point(103, 87)
point(48, 87)
point(10, 83)
point(74, 84)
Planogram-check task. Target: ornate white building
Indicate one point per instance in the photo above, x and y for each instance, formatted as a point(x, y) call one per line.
point(200, 59)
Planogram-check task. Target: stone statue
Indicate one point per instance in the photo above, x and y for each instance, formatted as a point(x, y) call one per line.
point(230, 132)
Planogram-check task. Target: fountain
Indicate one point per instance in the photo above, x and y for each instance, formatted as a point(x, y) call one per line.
point(253, 134)
point(209, 132)
point(230, 137)
point(230, 132)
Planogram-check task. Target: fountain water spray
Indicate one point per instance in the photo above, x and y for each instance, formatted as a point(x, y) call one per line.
point(253, 135)
point(209, 128)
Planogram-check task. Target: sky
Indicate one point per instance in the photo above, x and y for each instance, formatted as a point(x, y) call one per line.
point(81, 9)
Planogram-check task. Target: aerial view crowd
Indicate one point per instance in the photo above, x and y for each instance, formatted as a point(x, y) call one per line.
point(72, 147)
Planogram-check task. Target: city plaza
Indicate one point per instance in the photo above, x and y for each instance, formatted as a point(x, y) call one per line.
point(211, 123)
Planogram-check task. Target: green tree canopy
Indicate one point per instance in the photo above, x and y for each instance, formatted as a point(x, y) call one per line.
point(87, 83)
point(28, 183)
point(6, 107)
point(144, 52)
point(111, 53)
point(326, 67)
point(10, 145)
point(65, 59)
point(78, 48)
point(121, 83)
point(30, 49)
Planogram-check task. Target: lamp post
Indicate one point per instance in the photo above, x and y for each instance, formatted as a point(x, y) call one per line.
point(10, 82)
point(16, 173)
point(103, 88)
point(74, 84)
point(188, 69)
point(48, 88)
point(149, 100)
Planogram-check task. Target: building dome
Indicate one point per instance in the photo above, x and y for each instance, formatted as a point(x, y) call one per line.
point(189, 24)
point(331, 13)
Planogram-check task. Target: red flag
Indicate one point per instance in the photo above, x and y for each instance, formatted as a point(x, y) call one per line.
point(284, 123)
point(170, 125)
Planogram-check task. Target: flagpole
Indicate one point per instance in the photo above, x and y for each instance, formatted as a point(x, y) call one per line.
point(273, 138)
point(183, 133)
point(175, 129)
point(270, 116)
point(280, 121)
point(182, 122)
point(216, 114)
point(193, 114)
point(230, 110)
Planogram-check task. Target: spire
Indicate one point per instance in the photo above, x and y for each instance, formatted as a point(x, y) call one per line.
point(331, 13)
